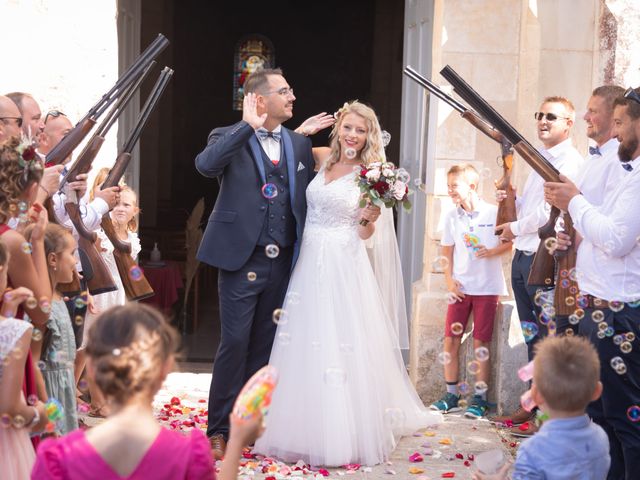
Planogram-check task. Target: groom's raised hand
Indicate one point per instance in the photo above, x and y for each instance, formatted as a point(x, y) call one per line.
point(250, 111)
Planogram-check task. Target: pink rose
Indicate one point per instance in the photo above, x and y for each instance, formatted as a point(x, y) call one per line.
point(399, 190)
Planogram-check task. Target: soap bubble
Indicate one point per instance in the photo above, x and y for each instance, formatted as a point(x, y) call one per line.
point(444, 358)
point(335, 377)
point(350, 153)
point(269, 190)
point(482, 354)
point(26, 248)
point(529, 330)
point(633, 413)
point(135, 273)
point(473, 367)
point(480, 387)
point(440, 263)
point(463, 388)
point(280, 316)
point(394, 418)
point(457, 329)
point(284, 338)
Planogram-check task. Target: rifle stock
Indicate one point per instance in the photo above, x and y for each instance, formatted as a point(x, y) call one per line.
point(98, 277)
point(543, 268)
point(507, 207)
point(136, 286)
point(564, 299)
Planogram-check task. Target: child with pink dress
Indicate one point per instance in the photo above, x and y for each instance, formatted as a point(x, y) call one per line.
point(130, 351)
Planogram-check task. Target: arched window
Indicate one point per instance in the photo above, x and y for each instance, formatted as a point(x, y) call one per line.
point(252, 52)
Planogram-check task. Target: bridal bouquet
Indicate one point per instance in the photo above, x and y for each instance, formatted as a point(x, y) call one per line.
point(383, 185)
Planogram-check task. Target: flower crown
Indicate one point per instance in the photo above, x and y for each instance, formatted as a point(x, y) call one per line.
point(29, 159)
point(341, 110)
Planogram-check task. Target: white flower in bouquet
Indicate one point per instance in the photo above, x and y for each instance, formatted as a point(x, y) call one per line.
point(399, 190)
point(373, 174)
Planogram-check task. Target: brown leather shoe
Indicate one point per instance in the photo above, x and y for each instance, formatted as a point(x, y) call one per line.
point(527, 429)
point(218, 446)
point(518, 417)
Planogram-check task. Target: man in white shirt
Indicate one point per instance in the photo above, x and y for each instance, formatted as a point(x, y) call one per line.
point(602, 170)
point(554, 122)
point(608, 268)
point(31, 114)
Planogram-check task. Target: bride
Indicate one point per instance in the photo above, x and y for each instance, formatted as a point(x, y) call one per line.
point(343, 395)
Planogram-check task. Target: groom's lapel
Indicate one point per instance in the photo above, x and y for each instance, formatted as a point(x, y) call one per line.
point(257, 157)
point(291, 163)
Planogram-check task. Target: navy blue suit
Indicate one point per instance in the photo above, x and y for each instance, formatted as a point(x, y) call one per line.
point(250, 284)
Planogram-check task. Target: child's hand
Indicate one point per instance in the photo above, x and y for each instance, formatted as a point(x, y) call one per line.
point(91, 305)
point(455, 290)
point(38, 215)
point(502, 474)
point(483, 252)
point(13, 298)
point(245, 431)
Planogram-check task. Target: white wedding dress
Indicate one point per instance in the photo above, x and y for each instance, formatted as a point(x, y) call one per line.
point(343, 394)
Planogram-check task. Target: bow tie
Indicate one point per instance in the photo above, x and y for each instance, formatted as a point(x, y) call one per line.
point(594, 151)
point(263, 134)
point(626, 166)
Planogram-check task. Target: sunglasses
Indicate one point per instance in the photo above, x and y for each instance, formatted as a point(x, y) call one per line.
point(551, 117)
point(54, 114)
point(17, 119)
point(631, 94)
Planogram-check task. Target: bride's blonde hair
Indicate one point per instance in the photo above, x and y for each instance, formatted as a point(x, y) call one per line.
point(373, 146)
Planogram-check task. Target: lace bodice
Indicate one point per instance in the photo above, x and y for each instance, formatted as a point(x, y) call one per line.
point(334, 205)
point(11, 330)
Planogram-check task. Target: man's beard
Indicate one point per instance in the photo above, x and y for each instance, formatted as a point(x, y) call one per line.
point(627, 149)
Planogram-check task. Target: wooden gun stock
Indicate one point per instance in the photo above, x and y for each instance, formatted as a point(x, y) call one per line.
point(564, 300)
point(65, 147)
point(542, 273)
point(507, 207)
point(136, 286)
point(99, 278)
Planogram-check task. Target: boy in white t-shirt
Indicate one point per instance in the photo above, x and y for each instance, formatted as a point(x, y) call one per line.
point(474, 280)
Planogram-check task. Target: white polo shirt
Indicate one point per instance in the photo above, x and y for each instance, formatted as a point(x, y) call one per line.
point(465, 230)
point(608, 263)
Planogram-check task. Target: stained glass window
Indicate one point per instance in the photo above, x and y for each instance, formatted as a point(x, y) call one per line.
point(252, 52)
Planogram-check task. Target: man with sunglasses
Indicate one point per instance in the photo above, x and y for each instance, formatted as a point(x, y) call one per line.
point(608, 266)
point(31, 114)
point(10, 119)
point(554, 122)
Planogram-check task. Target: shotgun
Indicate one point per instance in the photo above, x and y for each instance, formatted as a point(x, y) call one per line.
point(538, 163)
point(135, 284)
point(507, 207)
point(62, 150)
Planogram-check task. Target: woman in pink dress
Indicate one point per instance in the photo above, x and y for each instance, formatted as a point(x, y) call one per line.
point(130, 351)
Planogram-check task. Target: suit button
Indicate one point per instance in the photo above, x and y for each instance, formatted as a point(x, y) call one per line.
point(283, 217)
point(272, 216)
point(263, 207)
point(281, 177)
point(271, 230)
point(272, 202)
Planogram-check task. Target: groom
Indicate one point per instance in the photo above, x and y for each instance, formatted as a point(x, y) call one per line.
point(263, 170)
